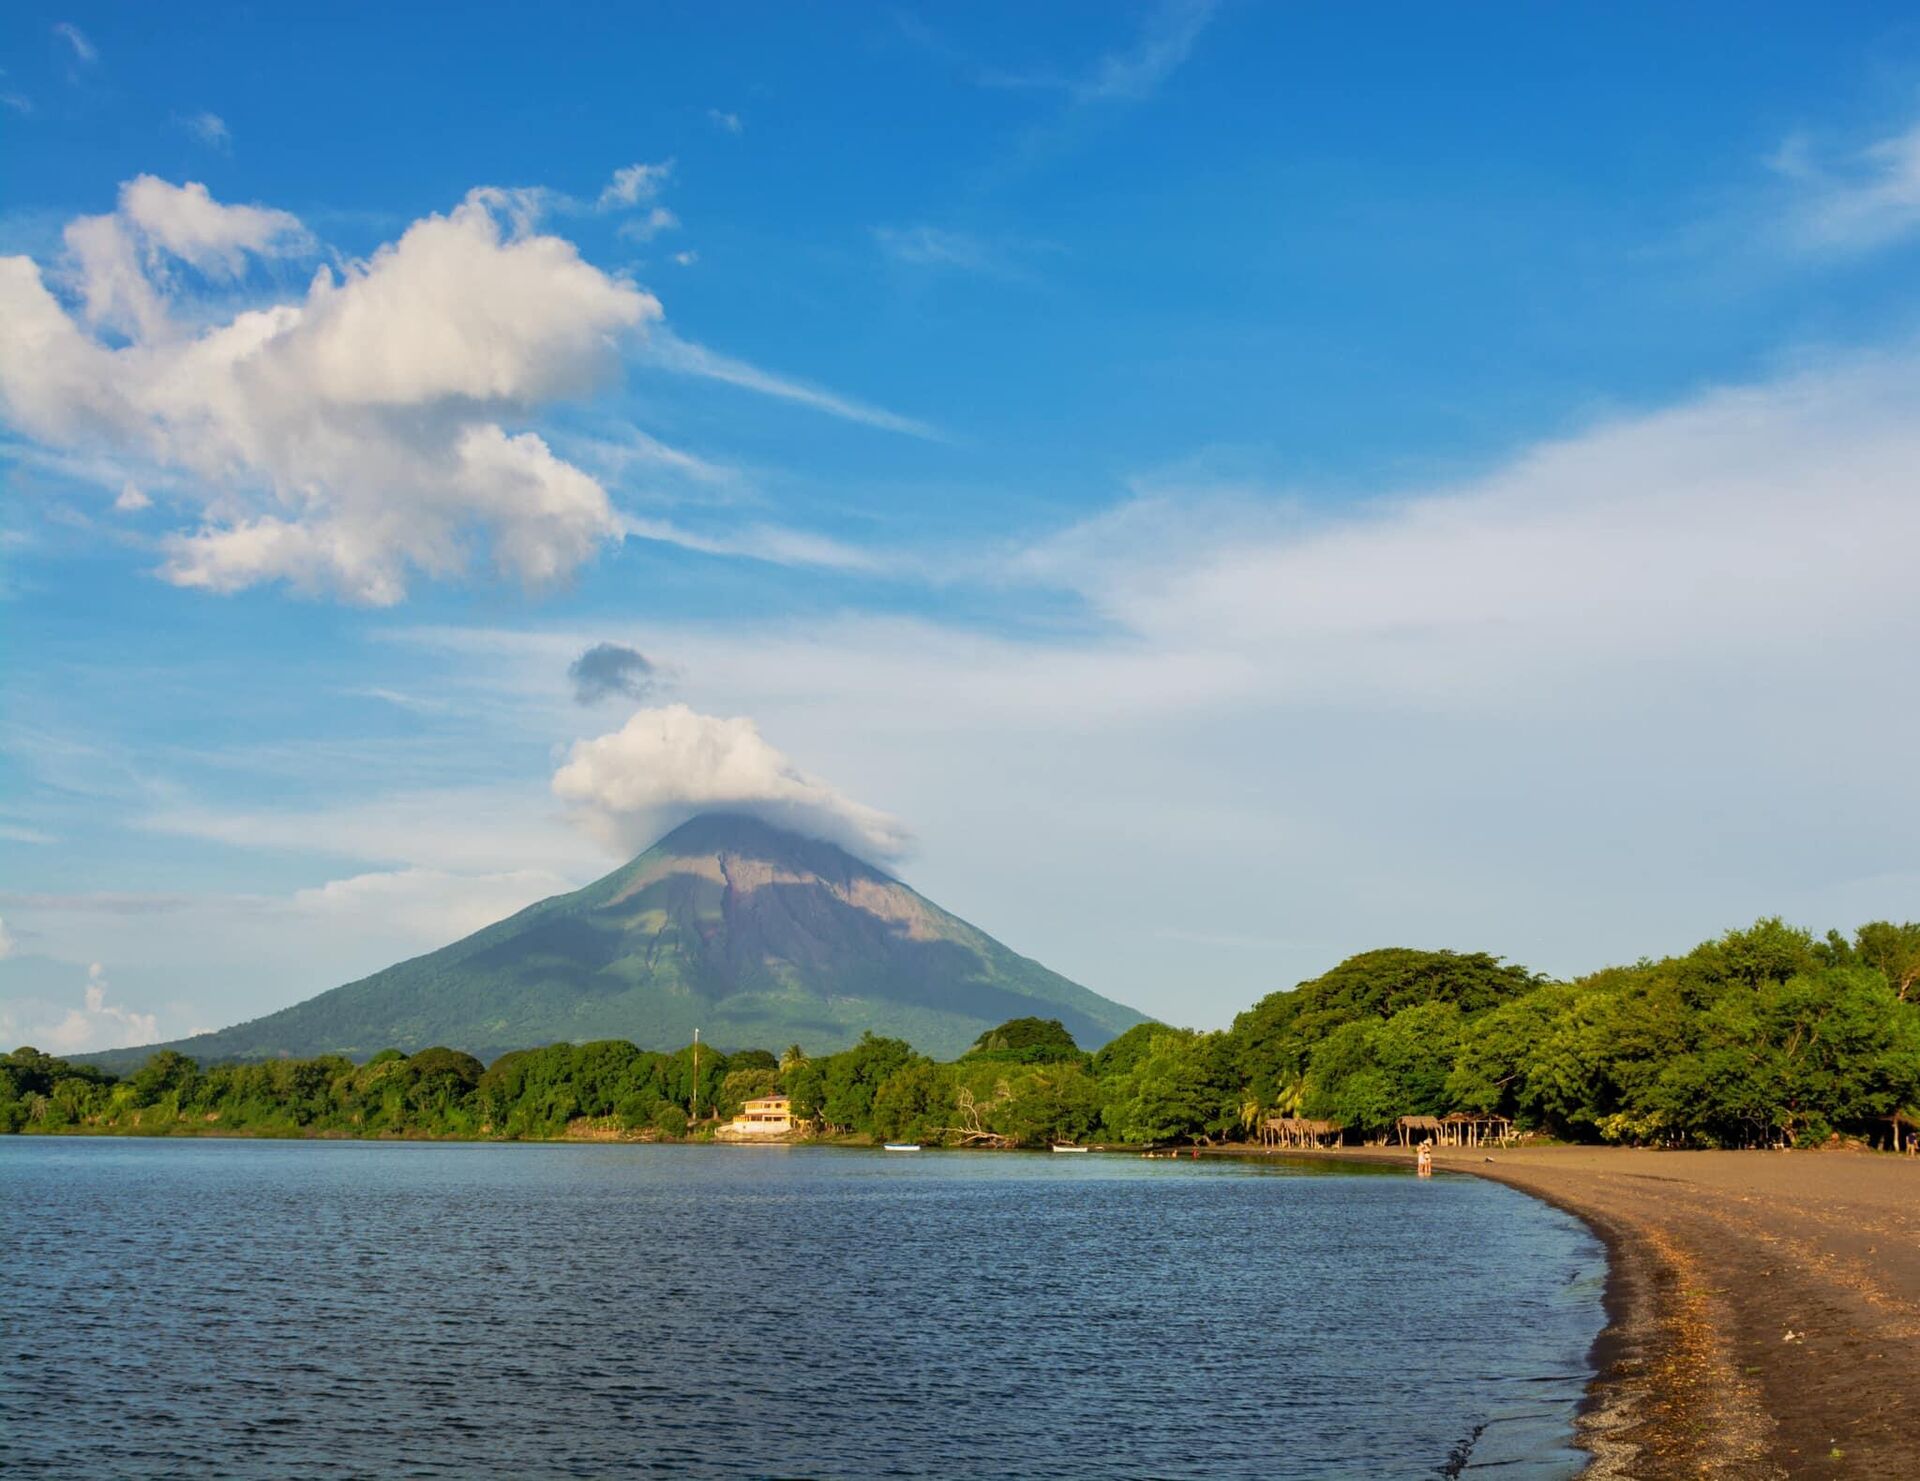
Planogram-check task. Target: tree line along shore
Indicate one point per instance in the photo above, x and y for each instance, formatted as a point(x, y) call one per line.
point(1768, 1036)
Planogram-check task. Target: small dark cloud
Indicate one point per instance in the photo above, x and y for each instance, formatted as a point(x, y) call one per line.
point(607, 669)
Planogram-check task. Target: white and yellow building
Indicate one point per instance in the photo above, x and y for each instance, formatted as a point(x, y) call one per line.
point(764, 1115)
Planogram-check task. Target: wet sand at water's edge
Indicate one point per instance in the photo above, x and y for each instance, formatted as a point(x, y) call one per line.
point(1764, 1307)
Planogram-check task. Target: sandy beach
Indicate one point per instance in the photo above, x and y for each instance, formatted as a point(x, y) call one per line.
point(1765, 1307)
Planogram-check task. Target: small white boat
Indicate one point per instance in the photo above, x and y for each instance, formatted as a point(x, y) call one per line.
point(903, 1146)
point(1065, 1147)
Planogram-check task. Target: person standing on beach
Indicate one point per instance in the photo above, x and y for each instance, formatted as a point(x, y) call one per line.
point(1425, 1160)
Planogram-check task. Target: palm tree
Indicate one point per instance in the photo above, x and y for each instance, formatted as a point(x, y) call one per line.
point(793, 1058)
point(1250, 1109)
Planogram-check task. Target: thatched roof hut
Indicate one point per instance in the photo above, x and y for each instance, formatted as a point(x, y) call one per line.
point(1460, 1129)
point(1455, 1129)
point(1296, 1131)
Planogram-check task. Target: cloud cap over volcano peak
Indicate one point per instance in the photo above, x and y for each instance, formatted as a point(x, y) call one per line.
point(668, 763)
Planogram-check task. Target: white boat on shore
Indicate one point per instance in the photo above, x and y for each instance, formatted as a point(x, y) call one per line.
point(1068, 1147)
point(902, 1146)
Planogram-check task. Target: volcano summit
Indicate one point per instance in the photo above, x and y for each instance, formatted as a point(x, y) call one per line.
point(755, 935)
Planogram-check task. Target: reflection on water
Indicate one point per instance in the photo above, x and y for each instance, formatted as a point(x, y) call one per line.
point(336, 1308)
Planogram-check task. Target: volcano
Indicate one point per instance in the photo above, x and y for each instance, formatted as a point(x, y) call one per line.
point(757, 936)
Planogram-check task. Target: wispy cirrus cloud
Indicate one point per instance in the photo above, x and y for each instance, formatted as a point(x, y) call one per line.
point(210, 129)
point(453, 830)
point(83, 48)
point(938, 249)
point(628, 447)
point(96, 902)
point(932, 246)
point(1854, 201)
point(667, 350)
point(645, 227)
point(775, 544)
point(1129, 74)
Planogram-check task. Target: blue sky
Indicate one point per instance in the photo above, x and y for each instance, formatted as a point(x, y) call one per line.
point(1197, 489)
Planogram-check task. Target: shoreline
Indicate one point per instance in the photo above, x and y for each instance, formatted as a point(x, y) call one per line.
point(1763, 1308)
point(1610, 1401)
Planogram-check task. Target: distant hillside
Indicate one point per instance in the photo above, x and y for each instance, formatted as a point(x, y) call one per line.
point(755, 935)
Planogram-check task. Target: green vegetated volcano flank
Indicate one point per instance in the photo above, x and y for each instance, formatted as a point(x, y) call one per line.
point(748, 932)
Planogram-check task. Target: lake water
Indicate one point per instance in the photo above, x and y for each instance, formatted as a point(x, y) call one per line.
point(298, 1309)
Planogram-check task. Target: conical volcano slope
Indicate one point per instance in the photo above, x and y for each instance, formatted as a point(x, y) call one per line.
point(753, 934)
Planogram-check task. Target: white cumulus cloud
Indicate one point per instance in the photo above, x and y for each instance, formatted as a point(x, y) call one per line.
point(123, 263)
point(97, 1024)
point(666, 764)
point(342, 441)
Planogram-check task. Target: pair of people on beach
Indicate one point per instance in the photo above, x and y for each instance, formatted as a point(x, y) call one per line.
point(1424, 1159)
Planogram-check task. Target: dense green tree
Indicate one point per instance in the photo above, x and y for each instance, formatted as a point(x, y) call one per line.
point(914, 1103)
point(679, 1075)
point(1274, 1039)
point(743, 1085)
point(167, 1073)
point(1891, 950)
point(1118, 1056)
point(440, 1086)
point(1026, 1041)
point(806, 1081)
point(854, 1075)
point(1491, 1066)
point(670, 1120)
point(1367, 1073)
point(1183, 1087)
point(1057, 1102)
point(1767, 951)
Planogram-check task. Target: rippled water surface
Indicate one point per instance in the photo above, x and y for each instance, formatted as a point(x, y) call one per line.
point(300, 1309)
